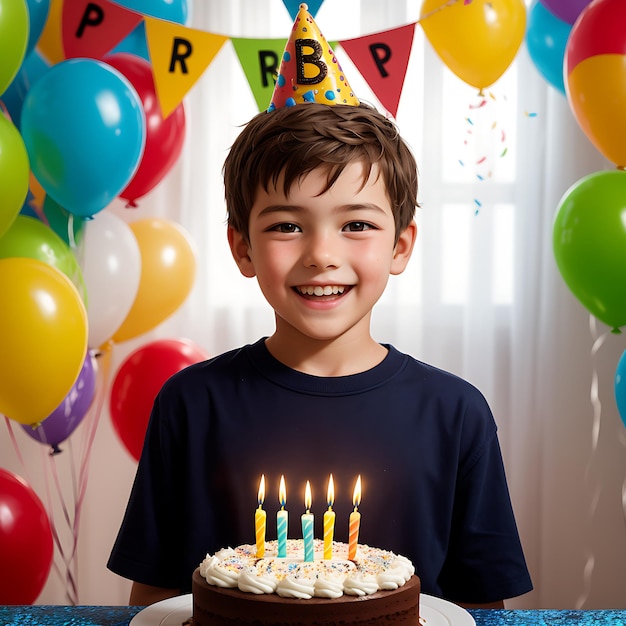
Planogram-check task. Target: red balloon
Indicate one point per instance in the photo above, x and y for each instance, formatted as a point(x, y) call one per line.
point(25, 541)
point(164, 137)
point(138, 381)
point(599, 29)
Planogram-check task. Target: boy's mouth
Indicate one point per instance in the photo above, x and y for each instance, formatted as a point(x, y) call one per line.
point(321, 290)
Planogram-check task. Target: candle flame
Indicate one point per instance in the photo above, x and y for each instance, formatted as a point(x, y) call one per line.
point(282, 492)
point(307, 496)
point(330, 497)
point(356, 498)
point(262, 490)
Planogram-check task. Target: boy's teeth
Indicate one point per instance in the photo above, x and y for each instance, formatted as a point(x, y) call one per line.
point(318, 290)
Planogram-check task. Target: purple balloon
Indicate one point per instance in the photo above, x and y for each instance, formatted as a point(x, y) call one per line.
point(62, 422)
point(566, 10)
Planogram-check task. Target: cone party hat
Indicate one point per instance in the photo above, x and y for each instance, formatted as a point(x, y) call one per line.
point(309, 70)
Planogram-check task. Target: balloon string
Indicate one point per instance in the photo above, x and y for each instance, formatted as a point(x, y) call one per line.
point(72, 589)
point(594, 396)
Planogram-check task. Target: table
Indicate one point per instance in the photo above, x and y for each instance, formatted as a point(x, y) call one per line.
point(121, 615)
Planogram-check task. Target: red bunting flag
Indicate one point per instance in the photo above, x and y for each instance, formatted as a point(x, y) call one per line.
point(93, 28)
point(382, 58)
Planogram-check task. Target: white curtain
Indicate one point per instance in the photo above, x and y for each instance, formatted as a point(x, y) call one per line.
point(531, 352)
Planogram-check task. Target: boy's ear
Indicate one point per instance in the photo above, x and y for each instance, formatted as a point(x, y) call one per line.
point(404, 248)
point(240, 249)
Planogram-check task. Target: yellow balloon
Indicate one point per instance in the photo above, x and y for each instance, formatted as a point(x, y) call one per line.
point(43, 338)
point(596, 92)
point(168, 268)
point(477, 40)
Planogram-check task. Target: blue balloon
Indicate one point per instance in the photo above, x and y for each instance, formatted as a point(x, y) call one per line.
point(546, 38)
point(620, 387)
point(84, 128)
point(33, 67)
point(38, 14)
point(176, 11)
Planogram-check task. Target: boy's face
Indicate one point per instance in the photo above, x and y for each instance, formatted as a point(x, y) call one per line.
point(322, 260)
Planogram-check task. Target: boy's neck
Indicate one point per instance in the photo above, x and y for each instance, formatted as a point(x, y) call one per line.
point(336, 357)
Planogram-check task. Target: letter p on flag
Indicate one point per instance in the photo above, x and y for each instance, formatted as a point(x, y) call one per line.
point(93, 28)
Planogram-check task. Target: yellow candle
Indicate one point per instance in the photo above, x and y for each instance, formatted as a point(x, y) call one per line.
point(260, 521)
point(282, 520)
point(307, 526)
point(355, 521)
point(329, 520)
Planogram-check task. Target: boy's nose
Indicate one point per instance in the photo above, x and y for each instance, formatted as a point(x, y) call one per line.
point(321, 252)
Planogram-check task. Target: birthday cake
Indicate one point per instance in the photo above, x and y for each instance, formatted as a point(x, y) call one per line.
point(233, 586)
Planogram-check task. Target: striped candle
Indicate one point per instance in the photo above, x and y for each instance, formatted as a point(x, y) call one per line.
point(260, 521)
point(282, 520)
point(307, 526)
point(355, 521)
point(329, 520)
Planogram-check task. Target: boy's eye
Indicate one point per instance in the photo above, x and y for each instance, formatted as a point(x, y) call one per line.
point(356, 227)
point(286, 228)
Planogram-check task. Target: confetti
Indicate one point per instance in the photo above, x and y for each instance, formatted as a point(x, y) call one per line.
point(481, 160)
point(527, 114)
point(504, 152)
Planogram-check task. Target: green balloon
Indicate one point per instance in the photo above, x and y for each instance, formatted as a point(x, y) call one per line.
point(589, 241)
point(14, 30)
point(29, 238)
point(14, 172)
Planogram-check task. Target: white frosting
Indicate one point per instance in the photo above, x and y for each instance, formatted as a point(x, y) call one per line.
point(250, 582)
point(292, 587)
point(292, 577)
point(360, 585)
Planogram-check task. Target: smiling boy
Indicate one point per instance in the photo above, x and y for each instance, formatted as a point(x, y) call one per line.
point(321, 203)
point(321, 200)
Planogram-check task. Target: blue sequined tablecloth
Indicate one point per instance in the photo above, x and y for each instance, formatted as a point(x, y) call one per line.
point(58, 615)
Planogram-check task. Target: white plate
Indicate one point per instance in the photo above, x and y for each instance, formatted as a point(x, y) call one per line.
point(438, 612)
point(174, 611)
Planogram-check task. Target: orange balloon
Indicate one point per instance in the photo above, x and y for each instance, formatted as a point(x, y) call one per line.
point(50, 43)
point(168, 268)
point(43, 338)
point(596, 92)
point(477, 40)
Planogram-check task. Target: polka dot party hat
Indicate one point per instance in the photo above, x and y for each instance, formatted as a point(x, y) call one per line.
point(309, 70)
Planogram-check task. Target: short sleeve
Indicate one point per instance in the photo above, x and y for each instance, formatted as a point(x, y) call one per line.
point(485, 561)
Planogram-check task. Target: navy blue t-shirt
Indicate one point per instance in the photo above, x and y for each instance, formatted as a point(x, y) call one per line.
point(424, 442)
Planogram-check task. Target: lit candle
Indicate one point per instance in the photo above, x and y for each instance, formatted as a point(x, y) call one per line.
point(355, 521)
point(307, 525)
point(282, 519)
point(329, 520)
point(259, 521)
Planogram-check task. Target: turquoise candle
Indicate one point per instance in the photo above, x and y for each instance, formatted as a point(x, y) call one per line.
point(307, 526)
point(282, 520)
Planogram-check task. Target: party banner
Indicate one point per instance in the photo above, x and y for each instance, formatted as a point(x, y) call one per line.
point(179, 57)
point(260, 61)
point(382, 58)
point(91, 29)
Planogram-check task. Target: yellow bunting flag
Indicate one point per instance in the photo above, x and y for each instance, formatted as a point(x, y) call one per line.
point(179, 56)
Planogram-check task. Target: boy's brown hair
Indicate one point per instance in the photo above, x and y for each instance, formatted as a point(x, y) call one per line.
point(296, 140)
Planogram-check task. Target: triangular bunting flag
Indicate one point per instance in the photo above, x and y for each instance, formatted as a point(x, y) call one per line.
point(91, 28)
point(260, 61)
point(382, 59)
point(179, 56)
point(293, 6)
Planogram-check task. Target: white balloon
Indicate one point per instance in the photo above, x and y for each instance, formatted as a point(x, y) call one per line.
point(110, 260)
